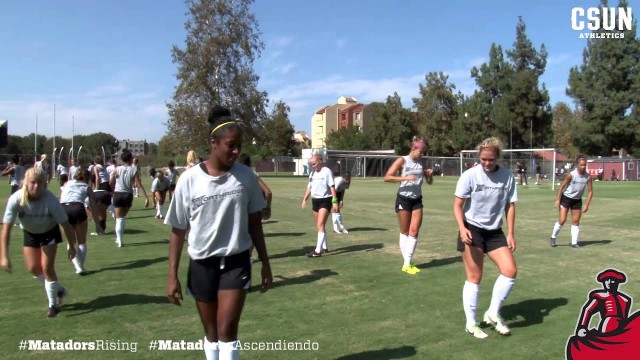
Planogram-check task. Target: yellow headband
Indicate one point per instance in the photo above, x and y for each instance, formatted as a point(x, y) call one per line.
point(221, 125)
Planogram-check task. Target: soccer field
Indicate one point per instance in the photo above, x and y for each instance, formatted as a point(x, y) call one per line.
point(355, 302)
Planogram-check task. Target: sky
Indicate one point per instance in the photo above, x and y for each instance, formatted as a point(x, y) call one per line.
point(106, 65)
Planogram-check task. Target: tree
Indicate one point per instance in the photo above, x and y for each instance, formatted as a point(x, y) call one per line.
point(277, 133)
point(392, 127)
point(473, 123)
point(347, 138)
point(215, 67)
point(605, 87)
point(437, 111)
point(564, 125)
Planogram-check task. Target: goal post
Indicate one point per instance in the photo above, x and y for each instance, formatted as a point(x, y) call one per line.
point(528, 158)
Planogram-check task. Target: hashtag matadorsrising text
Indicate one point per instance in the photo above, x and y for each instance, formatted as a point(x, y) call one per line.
point(76, 345)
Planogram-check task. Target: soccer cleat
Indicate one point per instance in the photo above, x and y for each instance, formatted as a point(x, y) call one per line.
point(416, 269)
point(497, 323)
point(576, 246)
point(62, 293)
point(552, 242)
point(53, 311)
point(325, 251)
point(410, 269)
point(476, 331)
point(119, 244)
point(344, 231)
point(337, 231)
point(314, 254)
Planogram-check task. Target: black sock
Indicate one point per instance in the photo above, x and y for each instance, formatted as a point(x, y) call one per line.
point(103, 224)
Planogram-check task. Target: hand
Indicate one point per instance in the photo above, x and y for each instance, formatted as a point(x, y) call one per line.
point(585, 209)
point(465, 236)
point(267, 277)
point(146, 202)
point(341, 204)
point(266, 214)
point(304, 204)
point(429, 172)
point(335, 207)
point(174, 294)
point(5, 264)
point(557, 203)
point(71, 252)
point(511, 242)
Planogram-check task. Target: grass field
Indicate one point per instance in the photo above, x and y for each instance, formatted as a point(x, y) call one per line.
point(355, 303)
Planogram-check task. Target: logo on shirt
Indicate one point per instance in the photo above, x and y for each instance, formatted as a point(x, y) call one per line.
point(482, 187)
point(199, 201)
point(618, 334)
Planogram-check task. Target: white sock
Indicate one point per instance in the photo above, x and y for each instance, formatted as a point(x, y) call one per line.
point(82, 253)
point(403, 245)
point(51, 287)
point(410, 248)
point(334, 221)
point(501, 290)
point(339, 221)
point(210, 349)
point(160, 209)
point(470, 293)
point(320, 242)
point(229, 350)
point(556, 230)
point(112, 211)
point(39, 278)
point(76, 263)
point(119, 229)
point(575, 234)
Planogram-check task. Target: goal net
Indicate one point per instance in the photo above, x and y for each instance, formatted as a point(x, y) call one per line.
point(531, 167)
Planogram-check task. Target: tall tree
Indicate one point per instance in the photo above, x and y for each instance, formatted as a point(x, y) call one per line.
point(437, 111)
point(348, 138)
point(215, 67)
point(278, 132)
point(606, 88)
point(392, 126)
point(473, 123)
point(564, 125)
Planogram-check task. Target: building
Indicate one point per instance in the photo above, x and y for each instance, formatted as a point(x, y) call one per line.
point(346, 112)
point(613, 168)
point(137, 147)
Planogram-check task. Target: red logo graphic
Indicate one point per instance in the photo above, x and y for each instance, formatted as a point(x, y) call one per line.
point(618, 334)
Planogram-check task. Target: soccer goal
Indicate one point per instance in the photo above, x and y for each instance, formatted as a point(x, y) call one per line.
point(523, 163)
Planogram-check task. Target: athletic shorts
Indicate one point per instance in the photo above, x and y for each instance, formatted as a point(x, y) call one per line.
point(75, 212)
point(104, 186)
point(322, 203)
point(53, 236)
point(340, 195)
point(487, 240)
point(206, 276)
point(172, 187)
point(408, 204)
point(571, 203)
point(102, 197)
point(122, 199)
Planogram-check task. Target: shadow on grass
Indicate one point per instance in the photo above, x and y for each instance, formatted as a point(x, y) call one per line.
point(395, 353)
point(533, 311)
point(366, 228)
point(135, 264)
point(440, 262)
point(134, 231)
point(284, 234)
point(105, 302)
point(293, 253)
point(269, 222)
point(141, 217)
point(357, 247)
point(145, 243)
point(595, 242)
point(315, 275)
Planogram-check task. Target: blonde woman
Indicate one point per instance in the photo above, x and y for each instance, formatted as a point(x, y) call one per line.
point(40, 214)
point(192, 159)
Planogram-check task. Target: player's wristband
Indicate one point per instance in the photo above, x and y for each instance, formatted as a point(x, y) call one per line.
point(334, 200)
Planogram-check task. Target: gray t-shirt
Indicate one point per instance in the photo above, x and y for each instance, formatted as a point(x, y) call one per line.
point(576, 186)
point(36, 216)
point(411, 189)
point(160, 185)
point(17, 176)
point(74, 191)
point(486, 196)
point(125, 178)
point(341, 185)
point(217, 209)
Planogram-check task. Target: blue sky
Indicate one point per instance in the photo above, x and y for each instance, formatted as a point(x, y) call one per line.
point(108, 63)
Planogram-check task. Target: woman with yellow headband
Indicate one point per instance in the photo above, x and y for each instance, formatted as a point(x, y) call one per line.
point(409, 199)
point(570, 197)
point(220, 202)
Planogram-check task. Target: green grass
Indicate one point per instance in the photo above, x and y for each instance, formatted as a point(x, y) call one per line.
point(355, 302)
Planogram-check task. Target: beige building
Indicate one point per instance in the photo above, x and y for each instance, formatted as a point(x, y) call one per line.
point(326, 119)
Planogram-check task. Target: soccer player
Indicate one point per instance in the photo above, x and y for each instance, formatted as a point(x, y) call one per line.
point(40, 214)
point(192, 159)
point(134, 165)
point(342, 183)
point(173, 175)
point(245, 159)
point(16, 173)
point(123, 179)
point(72, 168)
point(483, 196)
point(570, 197)
point(44, 165)
point(63, 173)
point(219, 200)
point(74, 194)
point(408, 205)
point(324, 198)
point(159, 188)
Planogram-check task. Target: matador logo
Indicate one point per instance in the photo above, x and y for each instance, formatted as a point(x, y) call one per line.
point(618, 334)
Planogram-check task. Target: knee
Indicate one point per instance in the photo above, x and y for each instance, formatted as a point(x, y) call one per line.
point(510, 272)
point(227, 331)
point(35, 269)
point(414, 232)
point(474, 277)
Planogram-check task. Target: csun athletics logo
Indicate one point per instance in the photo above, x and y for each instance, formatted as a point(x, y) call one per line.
point(608, 19)
point(618, 333)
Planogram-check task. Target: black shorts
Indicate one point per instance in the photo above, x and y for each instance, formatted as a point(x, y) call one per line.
point(64, 178)
point(75, 212)
point(322, 203)
point(487, 240)
point(408, 204)
point(14, 188)
point(122, 199)
point(102, 197)
point(205, 277)
point(53, 236)
point(340, 195)
point(172, 187)
point(571, 203)
point(104, 186)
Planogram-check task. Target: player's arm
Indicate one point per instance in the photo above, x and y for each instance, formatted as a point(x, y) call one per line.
point(510, 211)
point(589, 195)
point(396, 167)
point(257, 236)
point(176, 243)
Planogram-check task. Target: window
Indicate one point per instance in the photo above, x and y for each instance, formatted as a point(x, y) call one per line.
point(344, 116)
point(357, 116)
point(630, 165)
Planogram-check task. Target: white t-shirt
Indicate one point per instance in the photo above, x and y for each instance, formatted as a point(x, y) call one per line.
point(486, 196)
point(217, 209)
point(103, 175)
point(72, 171)
point(37, 216)
point(320, 183)
point(125, 178)
point(160, 185)
point(341, 184)
point(171, 175)
point(74, 191)
point(413, 188)
point(17, 176)
point(62, 170)
point(576, 186)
